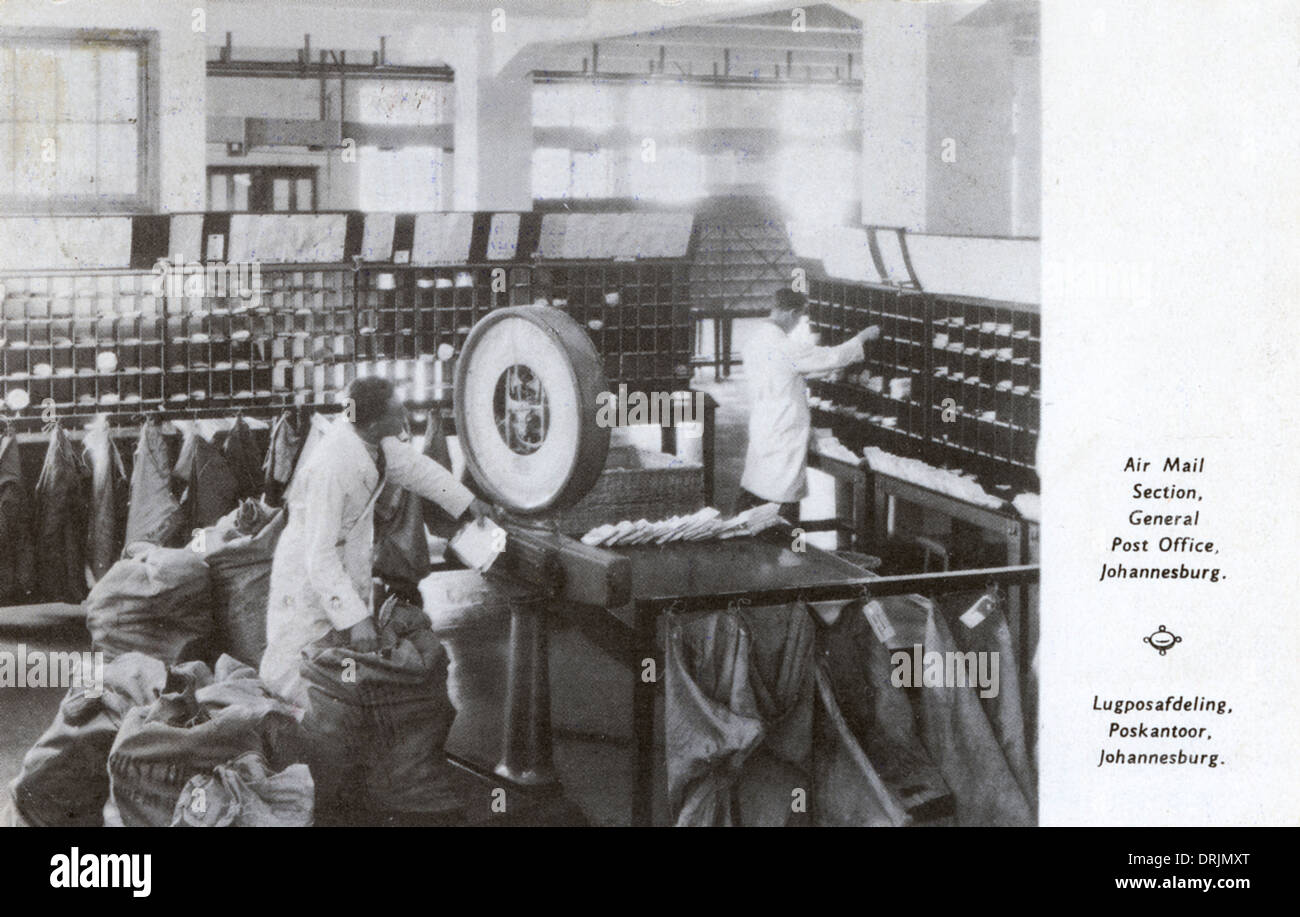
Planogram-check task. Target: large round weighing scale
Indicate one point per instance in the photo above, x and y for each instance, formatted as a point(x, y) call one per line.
point(528, 382)
point(527, 385)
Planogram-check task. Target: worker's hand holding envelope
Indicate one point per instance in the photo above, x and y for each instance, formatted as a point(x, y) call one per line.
point(478, 544)
point(867, 334)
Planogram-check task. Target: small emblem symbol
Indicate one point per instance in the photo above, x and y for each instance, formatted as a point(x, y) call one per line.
point(1162, 640)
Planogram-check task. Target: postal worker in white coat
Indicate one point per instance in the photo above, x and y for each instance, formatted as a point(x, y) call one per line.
point(777, 366)
point(321, 571)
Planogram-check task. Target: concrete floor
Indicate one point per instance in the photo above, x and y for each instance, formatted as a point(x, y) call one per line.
point(591, 694)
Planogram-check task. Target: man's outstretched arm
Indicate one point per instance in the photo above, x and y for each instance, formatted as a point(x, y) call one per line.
point(811, 361)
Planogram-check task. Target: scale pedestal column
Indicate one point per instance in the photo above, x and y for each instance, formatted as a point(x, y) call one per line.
point(526, 748)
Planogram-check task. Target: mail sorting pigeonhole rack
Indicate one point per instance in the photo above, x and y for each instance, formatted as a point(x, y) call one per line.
point(637, 314)
point(292, 341)
point(121, 339)
point(411, 320)
point(953, 381)
point(83, 340)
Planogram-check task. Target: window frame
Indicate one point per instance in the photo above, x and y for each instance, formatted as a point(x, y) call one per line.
point(262, 178)
point(145, 200)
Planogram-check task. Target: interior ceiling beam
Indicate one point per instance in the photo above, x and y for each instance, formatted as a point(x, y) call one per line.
point(290, 70)
point(698, 79)
point(748, 27)
point(640, 64)
point(610, 19)
point(332, 64)
point(792, 42)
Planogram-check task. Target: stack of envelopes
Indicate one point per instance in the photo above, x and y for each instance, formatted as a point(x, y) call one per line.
point(704, 525)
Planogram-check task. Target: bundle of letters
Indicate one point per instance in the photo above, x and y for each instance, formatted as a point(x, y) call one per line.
point(705, 525)
point(918, 472)
point(831, 447)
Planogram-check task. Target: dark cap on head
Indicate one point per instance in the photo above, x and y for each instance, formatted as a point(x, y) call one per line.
point(370, 399)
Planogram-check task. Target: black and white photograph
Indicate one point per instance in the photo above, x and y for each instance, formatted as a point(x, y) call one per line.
point(626, 413)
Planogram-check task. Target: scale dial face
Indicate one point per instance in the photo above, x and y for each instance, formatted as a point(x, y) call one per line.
point(527, 388)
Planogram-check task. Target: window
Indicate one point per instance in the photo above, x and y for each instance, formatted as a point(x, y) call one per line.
point(412, 179)
point(674, 175)
point(586, 174)
point(405, 102)
point(586, 106)
point(76, 121)
point(799, 143)
point(408, 172)
point(264, 189)
point(811, 180)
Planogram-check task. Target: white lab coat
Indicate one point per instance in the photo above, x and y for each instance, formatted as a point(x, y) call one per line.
point(321, 573)
point(780, 424)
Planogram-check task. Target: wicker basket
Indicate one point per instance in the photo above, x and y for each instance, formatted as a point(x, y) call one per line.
point(637, 484)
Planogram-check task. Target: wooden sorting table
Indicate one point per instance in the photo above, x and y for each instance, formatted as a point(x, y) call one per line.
point(1005, 524)
point(853, 502)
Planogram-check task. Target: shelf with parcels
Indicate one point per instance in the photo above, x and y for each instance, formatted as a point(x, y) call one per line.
point(121, 341)
point(964, 376)
point(84, 340)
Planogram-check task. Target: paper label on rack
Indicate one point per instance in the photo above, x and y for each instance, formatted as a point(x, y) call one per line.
point(441, 238)
point(551, 242)
point(879, 621)
point(503, 236)
point(240, 242)
point(185, 241)
point(377, 236)
point(478, 544)
point(976, 614)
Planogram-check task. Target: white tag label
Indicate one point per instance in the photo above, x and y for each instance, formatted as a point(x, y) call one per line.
point(975, 615)
point(879, 621)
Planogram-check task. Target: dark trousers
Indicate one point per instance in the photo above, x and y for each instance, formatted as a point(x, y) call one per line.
point(746, 500)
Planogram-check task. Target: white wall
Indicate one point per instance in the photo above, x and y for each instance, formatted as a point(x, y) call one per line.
point(894, 107)
point(932, 85)
point(970, 96)
point(505, 138)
